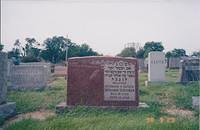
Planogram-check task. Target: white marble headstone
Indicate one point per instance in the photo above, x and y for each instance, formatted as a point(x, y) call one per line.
point(156, 66)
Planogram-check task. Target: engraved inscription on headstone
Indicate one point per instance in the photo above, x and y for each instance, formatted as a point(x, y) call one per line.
point(119, 81)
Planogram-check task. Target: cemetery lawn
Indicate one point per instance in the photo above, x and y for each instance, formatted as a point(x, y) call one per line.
point(169, 101)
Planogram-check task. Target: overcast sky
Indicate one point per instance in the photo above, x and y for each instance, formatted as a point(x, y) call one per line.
point(105, 25)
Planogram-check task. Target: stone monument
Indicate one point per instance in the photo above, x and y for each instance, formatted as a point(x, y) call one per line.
point(190, 70)
point(7, 109)
point(44, 64)
point(156, 66)
point(174, 63)
point(141, 64)
point(27, 76)
point(103, 82)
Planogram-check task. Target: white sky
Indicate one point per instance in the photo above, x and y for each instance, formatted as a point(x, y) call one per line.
point(105, 25)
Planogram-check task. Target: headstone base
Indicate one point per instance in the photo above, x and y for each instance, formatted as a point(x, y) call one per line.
point(148, 83)
point(7, 110)
point(11, 87)
point(63, 106)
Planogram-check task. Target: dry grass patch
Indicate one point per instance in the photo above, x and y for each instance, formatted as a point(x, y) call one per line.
point(38, 115)
point(180, 112)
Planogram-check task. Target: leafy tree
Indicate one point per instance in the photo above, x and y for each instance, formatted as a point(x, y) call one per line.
point(29, 46)
point(178, 52)
point(32, 52)
point(73, 49)
point(54, 48)
point(14, 53)
point(30, 59)
point(17, 50)
point(152, 46)
point(140, 53)
point(85, 50)
point(1, 47)
point(128, 52)
point(196, 53)
point(168, 54)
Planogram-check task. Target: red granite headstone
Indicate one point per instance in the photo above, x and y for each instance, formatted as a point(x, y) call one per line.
point(102, 81)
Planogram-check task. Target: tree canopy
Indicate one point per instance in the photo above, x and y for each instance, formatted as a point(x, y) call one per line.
point(128, 52)
point(143, 51)
point(140, 53)
point(55, 49)
point(196, 53)
point(1, 47)
point(176, 53)
point(52, 49)
point(152, 46)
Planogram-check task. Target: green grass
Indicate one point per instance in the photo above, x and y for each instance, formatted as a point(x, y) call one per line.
point(157, 96)
point(112, 122)
point(28, 101)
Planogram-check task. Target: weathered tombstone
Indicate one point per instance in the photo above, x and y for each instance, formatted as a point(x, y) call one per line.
point(3, 75)
point(6, 109)
point(142, 67)
point(196, 102)
point(174, 63)
point(146, 62)
point(44, 64)
point(166, 64)
point(103, 82)
point(156, 66)
point(190, 70)
point(29, 76)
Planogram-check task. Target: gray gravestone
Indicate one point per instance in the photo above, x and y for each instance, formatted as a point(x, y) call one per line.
point(156, 66)
point(6, 109)
point(46, 65)
point(190, 70)
point(29, 76)
point(174, 63)
point(3, 75)
point(142, 66)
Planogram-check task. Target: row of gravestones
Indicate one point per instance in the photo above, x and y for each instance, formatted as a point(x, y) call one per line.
point(189, 68)
point(37, 75)
point(109, 81)
point(97, 81)
point(171, 63)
